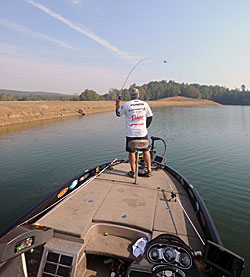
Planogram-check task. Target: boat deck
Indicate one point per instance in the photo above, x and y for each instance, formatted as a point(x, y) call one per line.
point(115, 204)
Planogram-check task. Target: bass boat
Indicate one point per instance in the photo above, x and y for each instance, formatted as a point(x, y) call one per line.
point(105, 223)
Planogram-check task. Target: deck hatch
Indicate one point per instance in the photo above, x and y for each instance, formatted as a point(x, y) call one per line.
point(58, 265)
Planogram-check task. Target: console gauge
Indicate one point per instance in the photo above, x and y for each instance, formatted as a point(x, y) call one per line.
point(184, 260)
point(169, 254)
point(154, 254)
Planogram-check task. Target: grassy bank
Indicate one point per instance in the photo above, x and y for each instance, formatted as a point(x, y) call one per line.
point(16, 112)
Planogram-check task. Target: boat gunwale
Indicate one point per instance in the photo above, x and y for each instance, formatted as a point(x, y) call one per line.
point(200, 210)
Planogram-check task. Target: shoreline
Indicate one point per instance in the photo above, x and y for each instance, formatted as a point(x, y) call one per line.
point(18, 112)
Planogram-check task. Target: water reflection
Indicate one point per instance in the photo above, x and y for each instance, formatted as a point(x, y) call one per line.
point(245, 118)
point(6, 130)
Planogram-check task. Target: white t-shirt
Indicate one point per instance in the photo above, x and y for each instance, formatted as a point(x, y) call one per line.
point(136, 112)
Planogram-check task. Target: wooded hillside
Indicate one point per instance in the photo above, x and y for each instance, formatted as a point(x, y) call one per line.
point(154, 90)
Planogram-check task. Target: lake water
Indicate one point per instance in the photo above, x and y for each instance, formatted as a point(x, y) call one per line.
point(210, 146)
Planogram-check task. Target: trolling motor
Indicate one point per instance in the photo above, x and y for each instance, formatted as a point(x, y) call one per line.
point(139, 145)
point(140, 165)
point(157, 159)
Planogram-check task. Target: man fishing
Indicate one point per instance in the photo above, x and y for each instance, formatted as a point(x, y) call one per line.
point(138, 118)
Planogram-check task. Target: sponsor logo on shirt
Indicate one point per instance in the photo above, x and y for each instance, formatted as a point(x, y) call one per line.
point(139, 104)
point(139, 109)
point(137, 118)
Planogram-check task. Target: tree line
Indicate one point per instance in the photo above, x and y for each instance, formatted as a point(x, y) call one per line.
point(154, 90)
point(163, 89)
point(30, 97)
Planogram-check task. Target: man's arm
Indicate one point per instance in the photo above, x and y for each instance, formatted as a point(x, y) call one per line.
point(148, 121)
point(149, 115)
point(117, 104)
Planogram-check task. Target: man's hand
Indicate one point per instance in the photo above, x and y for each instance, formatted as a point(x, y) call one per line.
point(117, 102)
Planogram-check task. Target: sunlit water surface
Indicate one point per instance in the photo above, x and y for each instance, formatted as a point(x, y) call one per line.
point(210, 146)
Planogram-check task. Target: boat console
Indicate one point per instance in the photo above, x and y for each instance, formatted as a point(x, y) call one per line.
point(166, 255)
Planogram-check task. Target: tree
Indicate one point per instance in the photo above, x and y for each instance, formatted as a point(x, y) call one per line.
point(191, 91)
point(125, 94)
point(112, 94)
point(89, 95)
point(243, 87)
point(3, 97)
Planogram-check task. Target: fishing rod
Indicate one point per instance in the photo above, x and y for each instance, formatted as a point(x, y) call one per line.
point(173, 195)
point(130, 72)
point(120, 96)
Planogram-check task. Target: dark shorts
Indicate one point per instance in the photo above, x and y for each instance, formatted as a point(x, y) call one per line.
point(128, 139)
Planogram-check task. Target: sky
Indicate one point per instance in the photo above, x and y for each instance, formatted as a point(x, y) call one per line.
point(67, 46)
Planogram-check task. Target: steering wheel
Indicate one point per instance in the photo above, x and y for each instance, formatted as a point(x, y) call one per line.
point(168, 271)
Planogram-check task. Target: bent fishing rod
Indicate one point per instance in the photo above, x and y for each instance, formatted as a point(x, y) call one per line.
point(120, 96)
point(130, 72)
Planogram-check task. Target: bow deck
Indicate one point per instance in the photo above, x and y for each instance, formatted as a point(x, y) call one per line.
point(112, 203)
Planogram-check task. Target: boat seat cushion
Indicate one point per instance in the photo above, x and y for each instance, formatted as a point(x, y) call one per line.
point(110, 246)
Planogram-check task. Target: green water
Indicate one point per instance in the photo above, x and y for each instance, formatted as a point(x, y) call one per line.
point(210, 146)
